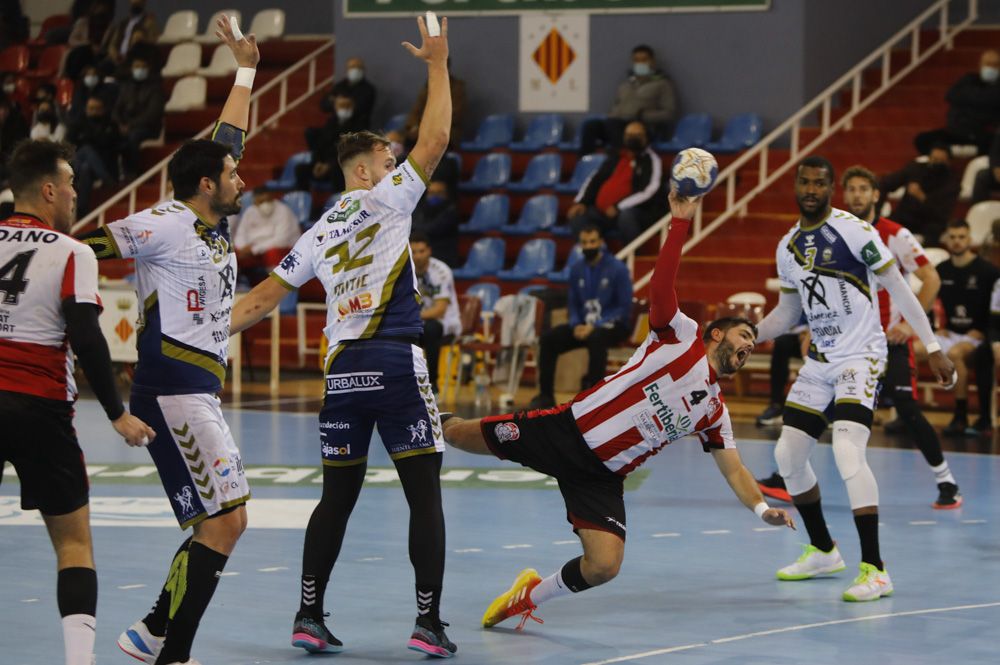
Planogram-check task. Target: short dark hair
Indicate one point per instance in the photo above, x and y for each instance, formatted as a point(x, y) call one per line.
point(818, 162)
point(940, 145)
point(420, 236)
point(193, 161)
point(859, 171)
point(31, 161)
point(353, 144)
point(958, 224)
point(590, 227)
point(725, 323)
point(644, 48)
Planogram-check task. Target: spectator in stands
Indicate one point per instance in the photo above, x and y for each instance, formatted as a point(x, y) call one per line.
point(966, 286)
point(974, 111)
point(436, 217)
point(647, 96)
point(600, 306)
point(439, 302)
point(323, 143)
point(97, 148)
point(138, 112)
point(626, 195)
point(13, 24)
point(988, 180)
point(137, 27)
point(86, 39)
point(357, 87)
point(412, 124)
point(931, 192)
point(90, 84)
point(267, 229)
point(47, 125)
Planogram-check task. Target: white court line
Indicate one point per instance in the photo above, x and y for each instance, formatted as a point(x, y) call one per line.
point(789, 629)
point(29, 600)
point(232, 574)
point(973, 521)
point(518, 546)
point(468, 549)
point(564, 542)
point(923, 522)
point(769, 528)
point(272, 569)
point(126, 587)
point(716, 532)
point(370, 558)
point(666, 534)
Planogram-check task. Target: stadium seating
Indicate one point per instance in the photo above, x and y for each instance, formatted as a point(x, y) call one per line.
point(268, 24)
point(301, 204)
point(741, 132)
point(395, 123)
point(184, 59)
point(494, 131)
point(51, 22)
point(542, 173)
point(562, 276)
point(490, 214)
point(180, 27)
point(693, 131)
point(573, 144)
point(544, 131)
point(222, 62)
point(538, 214)
point(64, 92)
point(585, 167)
point(972, 169)
point(14, 59)
point(536, 260)
point(485, 258)
point(486, 292)
point(491, 172)
point(287, 179)
point(980, 218)
point(208, 37)
point(190, 92)
point(49, 64)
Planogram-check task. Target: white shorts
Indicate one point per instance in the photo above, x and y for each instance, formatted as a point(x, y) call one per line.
point(850, 381)
point(194, 451)
point(948, 339)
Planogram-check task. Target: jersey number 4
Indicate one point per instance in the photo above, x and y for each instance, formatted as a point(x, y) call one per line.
point(346, 260)
point(12, 280)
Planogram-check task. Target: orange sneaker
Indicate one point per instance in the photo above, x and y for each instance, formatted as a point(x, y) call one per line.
point(516, 600)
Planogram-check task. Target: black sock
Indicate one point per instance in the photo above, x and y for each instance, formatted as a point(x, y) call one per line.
point(961, 409)
point(420, 477)
point(189, 598)
point(76, 591)
point(922, 432)
point(429, 602)
point(812, 517)
point(572, 576)
point(156, 620)
point(868, 535)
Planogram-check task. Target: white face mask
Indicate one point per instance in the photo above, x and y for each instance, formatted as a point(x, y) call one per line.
point(266, 208)
point(355, 74)
point(344, 115)
point(989, 74)
point(140, 74)
point(9, 88)
point(641, 69)
point(90, 81)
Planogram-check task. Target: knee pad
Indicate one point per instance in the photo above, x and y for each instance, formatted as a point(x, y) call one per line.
point(792, 455)
point(849, 442)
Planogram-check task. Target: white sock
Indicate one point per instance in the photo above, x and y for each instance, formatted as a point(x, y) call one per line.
point(549, 588)
point(942, 473)
point(79, 631)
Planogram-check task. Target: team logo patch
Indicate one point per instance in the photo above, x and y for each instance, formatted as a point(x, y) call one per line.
point(221, 467)
point(870, 254)
point(507, 432)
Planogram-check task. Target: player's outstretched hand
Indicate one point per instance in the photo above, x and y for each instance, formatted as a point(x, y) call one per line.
point(943, 369)
point(244, 49)
point(683, 207)
point(432, 49)
point(136, 432)
point(778, 517)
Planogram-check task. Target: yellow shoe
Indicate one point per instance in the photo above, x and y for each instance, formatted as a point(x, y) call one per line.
point(516, 600)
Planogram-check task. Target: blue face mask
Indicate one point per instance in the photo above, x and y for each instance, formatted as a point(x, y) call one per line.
point(435, 199)
point(641, 69)
point(989, 74)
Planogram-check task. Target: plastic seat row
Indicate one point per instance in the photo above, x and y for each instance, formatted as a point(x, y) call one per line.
point(492, 171)
point(536, 260)
point(492, 213)
point(182, 26)
point(185, 58)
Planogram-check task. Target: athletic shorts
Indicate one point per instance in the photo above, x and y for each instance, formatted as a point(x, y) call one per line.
point(948, 339)
point(199, 464)
point(851, 385)
point(380, 383)
point(548, 441)
point(38, 439)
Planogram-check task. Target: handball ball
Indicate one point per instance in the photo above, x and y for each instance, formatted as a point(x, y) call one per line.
point(694, 172)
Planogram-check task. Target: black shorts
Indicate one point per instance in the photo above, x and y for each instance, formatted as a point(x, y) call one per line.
point(39, 440)
point(900, 379)
point(548, 441)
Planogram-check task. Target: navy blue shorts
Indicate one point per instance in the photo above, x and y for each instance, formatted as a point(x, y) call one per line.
point(383, 383)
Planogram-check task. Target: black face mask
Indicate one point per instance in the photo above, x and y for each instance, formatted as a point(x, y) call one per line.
point(591, 254)
point(135, 10)
point(47, 118)
point(635, 145)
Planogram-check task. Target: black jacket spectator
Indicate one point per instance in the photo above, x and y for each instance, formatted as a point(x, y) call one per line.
point(988, 180)
point(361, 91)
point(931, 193)
point(436, 216)
point(974, 109)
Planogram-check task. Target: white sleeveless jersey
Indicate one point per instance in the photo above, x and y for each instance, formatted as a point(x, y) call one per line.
point(39, 269)
point(185, 277)
point(833, 266)
point(360, 251)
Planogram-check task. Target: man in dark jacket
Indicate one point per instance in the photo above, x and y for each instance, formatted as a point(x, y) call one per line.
point(625, 196)
point(357, 87)
point(600, 306)
point(138, 112)
point(436, 217)
point(97, 146)
point(931, 193)
point(974, 111)
point(323, 143)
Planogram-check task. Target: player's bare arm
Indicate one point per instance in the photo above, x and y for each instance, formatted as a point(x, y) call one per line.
point(745, 487)
point(435, 125)
point(257, 304)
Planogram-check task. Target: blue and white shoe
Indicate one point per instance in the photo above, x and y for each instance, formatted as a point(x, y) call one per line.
point(139, 643)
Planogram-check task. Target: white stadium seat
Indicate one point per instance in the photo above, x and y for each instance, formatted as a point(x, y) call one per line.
point(969, 176)
point(222, 62)
point(268, 24)
point(184, 59)
point(189, 93)
point(208, 37)
point(980, 218)
point(182, 26)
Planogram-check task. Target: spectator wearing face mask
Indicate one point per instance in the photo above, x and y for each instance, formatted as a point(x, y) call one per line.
point(647, 96)
point(90, 84)
point(323, 144)
point(97, 144)
point(625, 196)
point(436, 218)
point(357, 87)
point(47, 126)
point(930, 192)
point(267, 229)
point(138, 112)
point(973, 109)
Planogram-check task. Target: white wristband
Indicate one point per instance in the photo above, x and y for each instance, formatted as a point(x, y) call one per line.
point(244, 77)
point(760, 509)
point(933, 347)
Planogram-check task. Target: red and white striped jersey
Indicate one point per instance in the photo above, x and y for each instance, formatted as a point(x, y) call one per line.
point(39, 269)
point(909, 256)
point(667, 389)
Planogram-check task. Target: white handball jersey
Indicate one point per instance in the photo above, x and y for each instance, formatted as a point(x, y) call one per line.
point(832, 266)
point(667, 390)
point(438, 283)
point(39, 269)
point(360, 251)
point(909, 257)
point(185, 277)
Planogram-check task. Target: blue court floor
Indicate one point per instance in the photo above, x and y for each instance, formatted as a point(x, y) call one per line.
point(697, 585)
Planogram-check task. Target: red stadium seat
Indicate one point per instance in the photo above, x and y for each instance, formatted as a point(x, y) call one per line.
point(54, 21)
point(14, 59)
point(49, 63)
point(64, 92)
